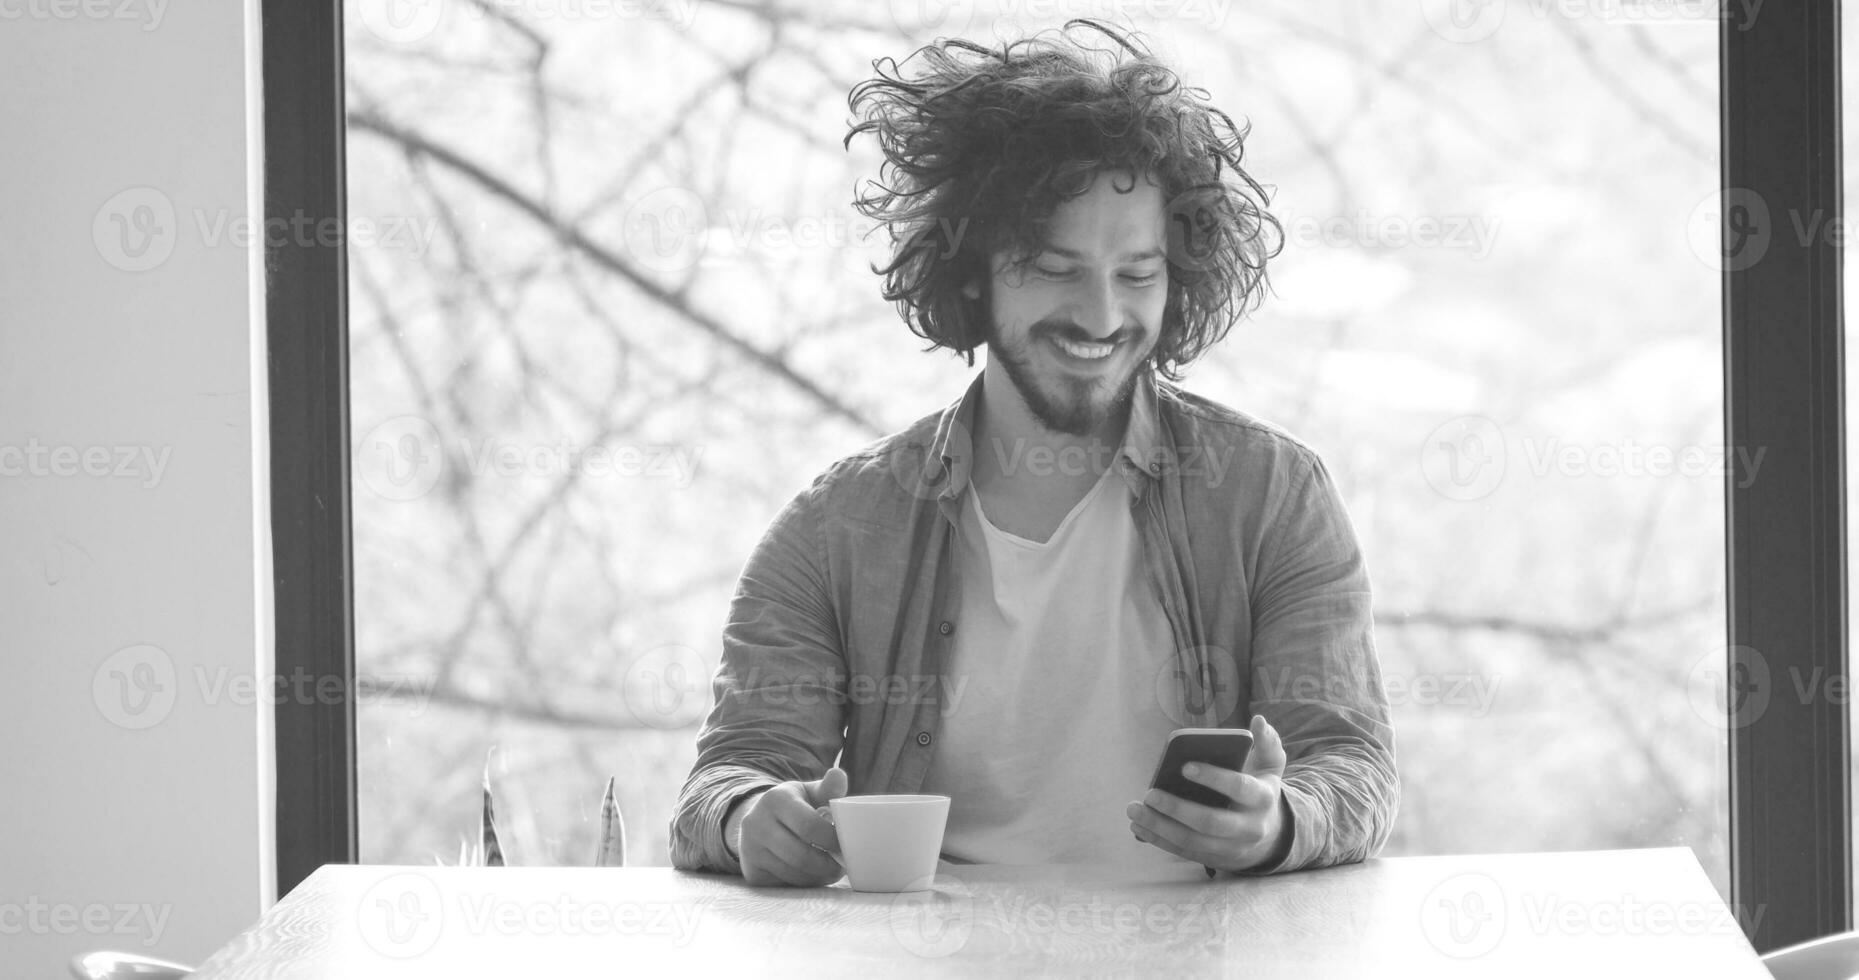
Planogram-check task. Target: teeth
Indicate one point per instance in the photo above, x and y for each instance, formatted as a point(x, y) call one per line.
point(1087, 351)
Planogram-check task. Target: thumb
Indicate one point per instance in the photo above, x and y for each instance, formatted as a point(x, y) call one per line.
point(1268, 750)
point(827, 788)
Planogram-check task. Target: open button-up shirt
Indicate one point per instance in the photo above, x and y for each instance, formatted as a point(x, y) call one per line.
point(842, 620)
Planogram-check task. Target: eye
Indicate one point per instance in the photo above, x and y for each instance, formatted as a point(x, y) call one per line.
point(1052, 273)
point(1141, 278)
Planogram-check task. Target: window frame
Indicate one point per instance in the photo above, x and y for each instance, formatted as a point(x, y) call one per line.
point(306, 349)
point(1790, 836)
point(1784, 378)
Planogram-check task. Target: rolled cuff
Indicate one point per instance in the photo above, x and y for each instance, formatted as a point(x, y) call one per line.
point(697, 829)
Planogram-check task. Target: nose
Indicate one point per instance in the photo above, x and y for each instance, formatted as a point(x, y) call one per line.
point(1099, 312)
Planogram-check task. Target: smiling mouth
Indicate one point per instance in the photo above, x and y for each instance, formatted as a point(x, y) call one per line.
point(1084, 352)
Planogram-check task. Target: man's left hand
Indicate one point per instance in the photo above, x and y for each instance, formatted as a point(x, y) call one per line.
point(1241, 837)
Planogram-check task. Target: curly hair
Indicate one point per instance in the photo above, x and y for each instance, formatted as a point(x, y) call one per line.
point(981, 146)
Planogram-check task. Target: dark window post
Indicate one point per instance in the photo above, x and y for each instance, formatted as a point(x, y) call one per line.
point(306, 310)
point(1790, 860)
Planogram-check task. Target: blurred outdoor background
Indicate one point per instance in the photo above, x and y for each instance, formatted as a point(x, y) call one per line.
point(629, 314)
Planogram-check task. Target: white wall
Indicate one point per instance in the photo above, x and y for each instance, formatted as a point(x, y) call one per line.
point(96, 811)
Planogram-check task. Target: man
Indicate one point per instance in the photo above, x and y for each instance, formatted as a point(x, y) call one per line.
point(1015, 600)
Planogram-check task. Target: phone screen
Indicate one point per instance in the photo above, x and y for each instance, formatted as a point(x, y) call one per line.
point(1226, 748)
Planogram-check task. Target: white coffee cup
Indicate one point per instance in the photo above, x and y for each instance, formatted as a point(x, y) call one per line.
point(890, 843)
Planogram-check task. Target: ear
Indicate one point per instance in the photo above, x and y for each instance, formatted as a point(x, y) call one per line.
point(972, 289)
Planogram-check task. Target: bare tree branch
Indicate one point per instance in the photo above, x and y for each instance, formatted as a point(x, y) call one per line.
point(606, 258)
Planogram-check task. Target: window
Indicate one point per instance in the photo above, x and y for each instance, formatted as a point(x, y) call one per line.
point(617, 310)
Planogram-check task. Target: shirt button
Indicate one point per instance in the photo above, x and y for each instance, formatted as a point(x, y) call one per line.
point(946, 628)
point(923, 738)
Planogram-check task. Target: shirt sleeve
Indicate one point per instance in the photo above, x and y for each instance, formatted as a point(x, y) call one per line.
point(779, 706)
point(1315, 677)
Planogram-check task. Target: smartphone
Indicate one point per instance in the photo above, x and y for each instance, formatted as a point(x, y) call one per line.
point(1223, 747)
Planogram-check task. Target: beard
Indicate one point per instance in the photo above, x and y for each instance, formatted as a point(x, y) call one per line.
point(1064, 403)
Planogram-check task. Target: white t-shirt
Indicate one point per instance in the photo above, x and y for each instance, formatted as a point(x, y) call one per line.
point(1064, 656)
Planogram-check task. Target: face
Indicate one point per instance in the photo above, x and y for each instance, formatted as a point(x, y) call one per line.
point(1072, 327)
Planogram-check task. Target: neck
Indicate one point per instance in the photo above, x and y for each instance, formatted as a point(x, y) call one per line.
point(1014, 449)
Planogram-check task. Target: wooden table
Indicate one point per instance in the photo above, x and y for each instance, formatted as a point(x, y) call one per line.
point(1578, 914)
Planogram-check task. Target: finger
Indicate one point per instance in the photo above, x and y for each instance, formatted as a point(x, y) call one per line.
point(817, 866)
point(1230, 783)
point(1211, 821)
point(809, 825)
point(776, 869)
point(1146, 836)
point(827, 788)
point(1253, 795)
point(1188, 841)
point(1249, 793)
point(1267, 757)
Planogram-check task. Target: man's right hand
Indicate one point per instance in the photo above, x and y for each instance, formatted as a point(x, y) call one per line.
point(786, 836)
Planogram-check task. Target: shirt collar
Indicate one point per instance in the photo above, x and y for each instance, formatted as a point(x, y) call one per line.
point(1141, 458)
